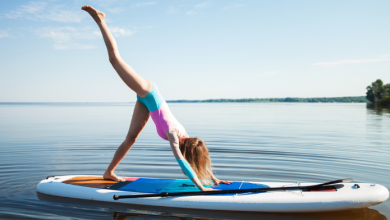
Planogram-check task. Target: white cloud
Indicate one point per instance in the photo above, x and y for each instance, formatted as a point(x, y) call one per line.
point(172, 10)
point(64, 34)
point(145, 4)
point(118, 32)
point(26, 10)
point(340, 62)
point(68, 37)
point(113, 6)
point(191, 13)
point(233, 6)
point(4, 34)
point(105, 3)
point(45, 12)
point(202, 5)
point(73, 46)
point(33, 7)
point(197, 8)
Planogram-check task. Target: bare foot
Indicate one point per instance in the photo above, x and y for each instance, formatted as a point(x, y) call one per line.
point(96, 15)
point(112, 176)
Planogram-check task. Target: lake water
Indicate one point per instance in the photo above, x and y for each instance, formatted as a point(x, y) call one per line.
point(288, 142)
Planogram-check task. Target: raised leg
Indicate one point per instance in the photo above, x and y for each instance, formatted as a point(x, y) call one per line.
point(140, 117)
point(134, 81)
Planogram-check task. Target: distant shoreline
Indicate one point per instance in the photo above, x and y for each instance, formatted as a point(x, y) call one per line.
point(346, 99)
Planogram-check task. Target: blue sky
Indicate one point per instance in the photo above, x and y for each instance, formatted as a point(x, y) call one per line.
point(51, 51)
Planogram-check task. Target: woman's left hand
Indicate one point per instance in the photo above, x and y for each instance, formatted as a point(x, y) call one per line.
point(217, 182)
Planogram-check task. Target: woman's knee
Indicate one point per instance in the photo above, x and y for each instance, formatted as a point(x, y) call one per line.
point(130, 140)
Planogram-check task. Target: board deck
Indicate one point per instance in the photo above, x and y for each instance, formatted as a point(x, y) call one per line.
point(152, 185)
point(90, 181)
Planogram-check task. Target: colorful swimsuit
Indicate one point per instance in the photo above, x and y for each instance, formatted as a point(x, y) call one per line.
point(164, 120)
point(161, 115)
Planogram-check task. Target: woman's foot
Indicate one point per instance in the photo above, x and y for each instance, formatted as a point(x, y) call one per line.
point(112, 176)
point(96, 15)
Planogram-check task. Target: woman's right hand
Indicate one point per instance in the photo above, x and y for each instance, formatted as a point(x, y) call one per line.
point(209, 189)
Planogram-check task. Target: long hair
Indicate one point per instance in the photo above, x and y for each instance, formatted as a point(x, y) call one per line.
point(195, 151)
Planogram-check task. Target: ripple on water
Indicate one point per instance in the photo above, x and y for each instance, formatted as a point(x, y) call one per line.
point(253, 142)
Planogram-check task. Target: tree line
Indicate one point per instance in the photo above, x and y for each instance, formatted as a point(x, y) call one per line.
point(360, 99)
point(378, 93)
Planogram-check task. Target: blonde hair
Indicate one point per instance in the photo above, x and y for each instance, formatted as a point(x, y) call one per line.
point(195, 151)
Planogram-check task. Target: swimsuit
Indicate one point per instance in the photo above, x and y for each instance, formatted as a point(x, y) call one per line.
point(161, 115)
point(164, 120)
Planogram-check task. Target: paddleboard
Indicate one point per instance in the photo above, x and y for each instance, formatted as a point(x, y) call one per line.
point(328, 198)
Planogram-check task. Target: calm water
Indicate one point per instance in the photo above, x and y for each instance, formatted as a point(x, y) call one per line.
point(301, 142)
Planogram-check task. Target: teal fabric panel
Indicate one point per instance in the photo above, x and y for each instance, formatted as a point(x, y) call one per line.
point(153, 100)
point(185, 166)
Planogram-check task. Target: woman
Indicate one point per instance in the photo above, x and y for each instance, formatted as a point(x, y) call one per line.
point(191, 153)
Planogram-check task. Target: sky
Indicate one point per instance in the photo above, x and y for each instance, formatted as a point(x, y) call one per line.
point(52, 51)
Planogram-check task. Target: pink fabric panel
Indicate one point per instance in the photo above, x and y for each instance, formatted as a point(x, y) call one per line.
point(164, 119)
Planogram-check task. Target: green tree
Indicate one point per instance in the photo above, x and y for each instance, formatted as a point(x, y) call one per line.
point(375, 91)
point(370, 94)
point(386, 95)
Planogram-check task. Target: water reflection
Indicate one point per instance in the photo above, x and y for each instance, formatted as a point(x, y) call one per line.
point(126, 211)
point(378, 109)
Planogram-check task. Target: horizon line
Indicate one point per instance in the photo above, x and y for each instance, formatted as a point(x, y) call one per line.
point(176, 100)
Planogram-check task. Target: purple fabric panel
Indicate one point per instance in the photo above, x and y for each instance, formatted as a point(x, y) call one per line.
point(164, 119)
point(161, 128)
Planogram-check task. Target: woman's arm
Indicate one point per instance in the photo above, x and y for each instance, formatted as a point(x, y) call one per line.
point(174, 142)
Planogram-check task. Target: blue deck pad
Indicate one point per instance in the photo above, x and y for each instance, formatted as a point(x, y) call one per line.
point(239, 185)
point(147, 185)
point(182, 186)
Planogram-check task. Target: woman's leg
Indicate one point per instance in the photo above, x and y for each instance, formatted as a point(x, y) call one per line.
point(140, 117)
point(138, 84)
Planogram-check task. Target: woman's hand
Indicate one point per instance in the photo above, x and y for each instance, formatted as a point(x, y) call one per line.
point(217, 182)
point(209, 189)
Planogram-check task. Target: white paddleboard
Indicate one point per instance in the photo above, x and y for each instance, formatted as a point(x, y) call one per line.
point(330, 198)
